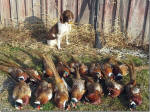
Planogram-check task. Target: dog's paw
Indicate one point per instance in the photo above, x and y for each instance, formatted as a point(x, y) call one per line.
point(68, 43)
point(59, 48)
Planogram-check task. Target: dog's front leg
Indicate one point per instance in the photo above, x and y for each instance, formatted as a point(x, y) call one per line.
point(67, 39)
point(58, 41)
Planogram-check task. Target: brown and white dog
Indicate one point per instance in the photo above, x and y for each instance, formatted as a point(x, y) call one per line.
point(60, 29)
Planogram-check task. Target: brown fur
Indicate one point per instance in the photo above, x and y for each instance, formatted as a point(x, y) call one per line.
point(66, 15)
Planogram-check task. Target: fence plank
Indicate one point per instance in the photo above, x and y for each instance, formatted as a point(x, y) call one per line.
point(36, 8)
point(44, 12)
point(5, 12)
point(52, 9)
point(21, 10)
point(123, 8)
point(84, 12)
point(136, 20)
point(101, 3)
point(108, 16)
point(14, 15)
point(29, 9)
point(0, 12)
point(147, 30)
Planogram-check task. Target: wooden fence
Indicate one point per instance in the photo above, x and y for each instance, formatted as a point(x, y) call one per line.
point(133, 15)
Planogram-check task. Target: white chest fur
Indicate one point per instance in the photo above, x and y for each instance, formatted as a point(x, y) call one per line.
point(63, 28)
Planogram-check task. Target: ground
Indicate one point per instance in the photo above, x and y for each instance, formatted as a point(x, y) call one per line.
point(17, 46)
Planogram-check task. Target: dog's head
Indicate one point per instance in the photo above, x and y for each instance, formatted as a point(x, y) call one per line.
point(67, 16)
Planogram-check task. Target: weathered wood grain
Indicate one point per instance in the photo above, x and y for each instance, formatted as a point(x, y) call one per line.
point(21, 10)
point(84, 12)
point(0, 14)
point(14, 14)
point(29, 9)
point(130, 14)
point(52, 9)
point(108, 16)
point(136, 20)
point(147, 29)
point(5, 12)
point(37, 8)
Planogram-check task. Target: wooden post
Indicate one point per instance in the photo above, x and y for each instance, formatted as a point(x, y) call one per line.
point(97, 33)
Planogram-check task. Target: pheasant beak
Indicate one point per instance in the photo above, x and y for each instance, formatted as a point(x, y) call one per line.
point(38, 107)
point(65, 74)
point(73, 104)
point(110, 92)
point(68, 107)
point(131, 109)
point(19, 107)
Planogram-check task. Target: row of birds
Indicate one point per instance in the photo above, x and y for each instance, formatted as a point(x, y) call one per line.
point(87, 83)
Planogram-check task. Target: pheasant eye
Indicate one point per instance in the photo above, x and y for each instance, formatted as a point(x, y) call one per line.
point(132, 104)
point(74, 100)
point(119, 76)
point(110, 92)
point(20, 78)
point(110, 74)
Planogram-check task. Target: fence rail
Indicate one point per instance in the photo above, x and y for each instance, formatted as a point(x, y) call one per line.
point(133, 15)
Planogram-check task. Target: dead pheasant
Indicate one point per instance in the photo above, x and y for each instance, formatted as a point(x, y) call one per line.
point(95, 71)
point(43, 94)
point(16, 71)
point(61, 91)
point(94, 91)
point(107, 70)
point(78, 89)
point(132, 90)
point(83, 69)
point(74, 63)
point(21, 95)
point(63, 68)
point(119, 69)
point(114, 88)
point(47, 67)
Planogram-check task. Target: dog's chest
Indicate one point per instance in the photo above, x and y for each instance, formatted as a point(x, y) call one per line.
point(63, 28)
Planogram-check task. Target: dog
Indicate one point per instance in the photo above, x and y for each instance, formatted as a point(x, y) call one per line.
point(60, 29)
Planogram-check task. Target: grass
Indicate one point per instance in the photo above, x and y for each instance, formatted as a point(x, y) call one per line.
point(21, 53)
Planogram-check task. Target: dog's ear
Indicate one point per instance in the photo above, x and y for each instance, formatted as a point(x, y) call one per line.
point(72, 16)
point(61, 18)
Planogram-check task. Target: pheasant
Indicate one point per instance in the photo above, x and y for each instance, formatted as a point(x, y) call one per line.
point(94, 91)
point(16, 73)
point(107, 70)
point(63, 69)
point(43, 93)
point(61, 91)
point(119, 69)
point(95, 71)
point(132, 89)
point(21, 95)
point(78, 88)
point(83, 69)
point(114, 88)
